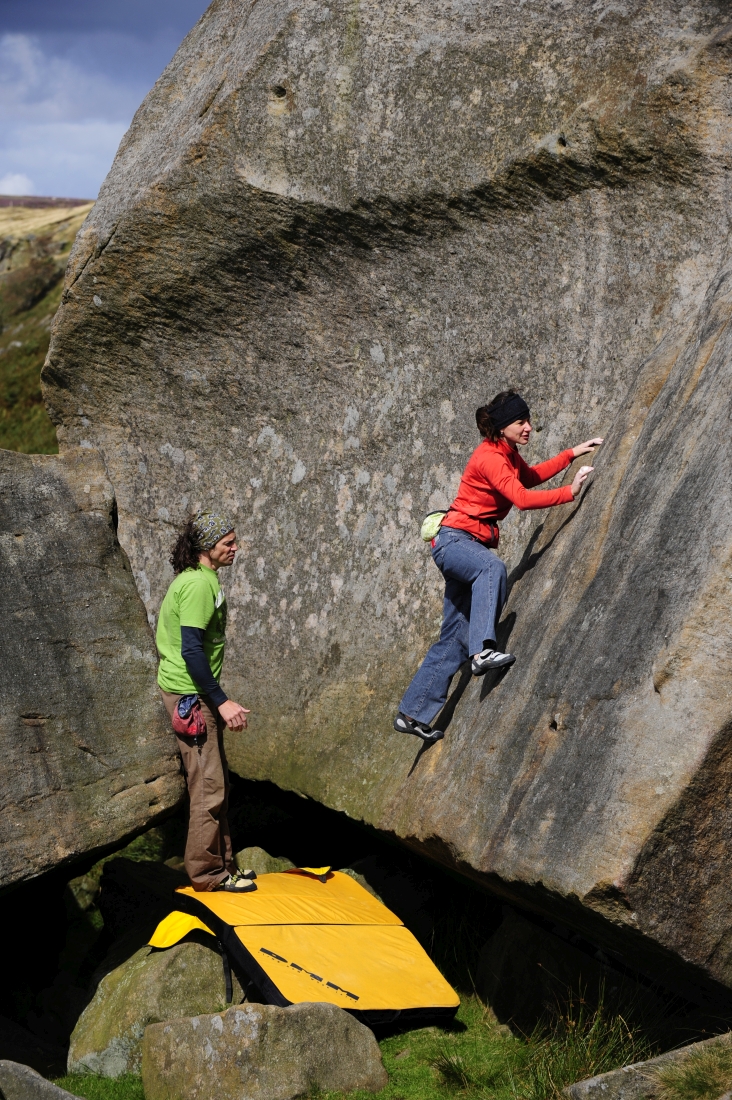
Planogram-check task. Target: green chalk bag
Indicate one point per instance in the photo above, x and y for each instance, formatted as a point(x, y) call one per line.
point(431, 525)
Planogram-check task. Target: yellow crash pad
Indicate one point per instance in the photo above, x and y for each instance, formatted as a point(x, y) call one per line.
point(300, 938)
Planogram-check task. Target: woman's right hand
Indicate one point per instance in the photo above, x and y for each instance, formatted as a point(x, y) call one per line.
point(587, 446)
point(579, 479)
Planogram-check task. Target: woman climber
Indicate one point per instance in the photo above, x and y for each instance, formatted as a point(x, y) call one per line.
point(495, 478)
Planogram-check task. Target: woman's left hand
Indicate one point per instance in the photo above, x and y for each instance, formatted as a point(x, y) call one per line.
point(585, 448)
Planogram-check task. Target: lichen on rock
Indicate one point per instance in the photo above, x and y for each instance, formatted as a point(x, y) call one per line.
point(150, 986)
point(261, 1051)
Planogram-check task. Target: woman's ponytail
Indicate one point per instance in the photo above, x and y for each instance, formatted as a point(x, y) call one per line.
point(486, 427)
point(485, 424)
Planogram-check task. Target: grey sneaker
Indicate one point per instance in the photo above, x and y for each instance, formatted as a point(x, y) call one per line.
point(408, 725)
point(237, 884)
point(491, 658)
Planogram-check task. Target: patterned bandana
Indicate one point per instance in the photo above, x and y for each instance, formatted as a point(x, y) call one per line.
point(209, 528)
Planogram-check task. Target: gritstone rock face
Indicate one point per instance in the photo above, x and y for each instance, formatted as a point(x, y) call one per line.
point(88, 756)
point(329, 235)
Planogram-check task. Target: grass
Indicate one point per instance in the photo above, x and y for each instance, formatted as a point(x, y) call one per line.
point(476, 1058)
point(91, 1087)
point(34, 245)
point(580, 1043)
point(479, 1059)
point(705, 1075)
point(24, 423)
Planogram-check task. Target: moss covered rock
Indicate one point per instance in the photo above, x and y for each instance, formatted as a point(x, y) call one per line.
point(149, 987)
point(256, 859)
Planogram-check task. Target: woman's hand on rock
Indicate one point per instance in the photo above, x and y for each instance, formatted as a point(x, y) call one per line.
point(234, 715)
point(586, 447)
point(580, 478)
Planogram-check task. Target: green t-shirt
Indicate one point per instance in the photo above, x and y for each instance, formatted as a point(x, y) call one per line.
point(195, 598)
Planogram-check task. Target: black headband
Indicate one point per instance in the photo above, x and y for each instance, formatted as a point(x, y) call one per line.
point(513, 408)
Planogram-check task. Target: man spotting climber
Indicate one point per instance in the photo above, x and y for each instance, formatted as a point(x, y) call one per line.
point(191, 640)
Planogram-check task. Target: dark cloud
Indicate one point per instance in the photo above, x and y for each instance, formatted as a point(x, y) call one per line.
point(72, 74)
point(137, 18)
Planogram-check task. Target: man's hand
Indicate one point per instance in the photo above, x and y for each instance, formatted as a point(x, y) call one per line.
point(579, 478)
point(586, 447)
point(234, 715)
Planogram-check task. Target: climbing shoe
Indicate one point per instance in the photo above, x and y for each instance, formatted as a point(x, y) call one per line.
point(247, 874)
point(237, 883)
point(402, 724)
point(490, 658)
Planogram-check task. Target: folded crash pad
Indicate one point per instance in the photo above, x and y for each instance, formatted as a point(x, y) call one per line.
point(307, 936)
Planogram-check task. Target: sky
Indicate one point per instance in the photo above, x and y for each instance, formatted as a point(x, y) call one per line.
point(72, 75)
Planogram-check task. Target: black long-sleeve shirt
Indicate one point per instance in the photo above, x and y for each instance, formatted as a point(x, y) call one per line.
point(191, 648)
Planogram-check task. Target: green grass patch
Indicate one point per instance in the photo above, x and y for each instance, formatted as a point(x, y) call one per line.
point(704, 1075)
point(24, 423)
point(88, 1085)
point(475, 1058)
point(479, 1059)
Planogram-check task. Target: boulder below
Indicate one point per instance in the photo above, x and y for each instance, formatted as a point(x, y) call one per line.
point(136, 895)
point(150, 986)
point(262, 1052)
point(256, 859)
point(19, 1082)
point(88, 756)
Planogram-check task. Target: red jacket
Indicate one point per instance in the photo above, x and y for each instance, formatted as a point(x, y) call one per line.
point(495, 478)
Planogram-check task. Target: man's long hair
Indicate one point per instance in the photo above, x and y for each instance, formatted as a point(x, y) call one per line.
point(185, 553)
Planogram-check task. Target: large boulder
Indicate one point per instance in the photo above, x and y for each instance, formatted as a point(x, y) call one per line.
point(328, 236)
point(88, 755)
point(261, 1052)
point(150, 986)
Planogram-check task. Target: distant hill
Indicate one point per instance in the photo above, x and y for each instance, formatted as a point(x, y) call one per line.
point(36, 235)
point(36, 202)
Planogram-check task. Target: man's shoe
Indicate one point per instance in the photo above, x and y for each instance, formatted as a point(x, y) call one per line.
point(402, 724)
point(251, 875)
point(237, 884)
point(490, 658)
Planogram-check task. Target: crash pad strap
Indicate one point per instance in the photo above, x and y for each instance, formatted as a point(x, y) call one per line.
point(226, 963)
point(231, 943)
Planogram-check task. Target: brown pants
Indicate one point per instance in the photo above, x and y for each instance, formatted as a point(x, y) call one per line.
point(209, 857)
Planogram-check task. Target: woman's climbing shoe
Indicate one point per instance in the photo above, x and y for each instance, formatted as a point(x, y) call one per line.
point(237, 883)
point(491, 658)
point(402, 724)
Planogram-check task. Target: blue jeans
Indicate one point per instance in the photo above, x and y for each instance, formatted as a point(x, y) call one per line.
point(475, 592)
